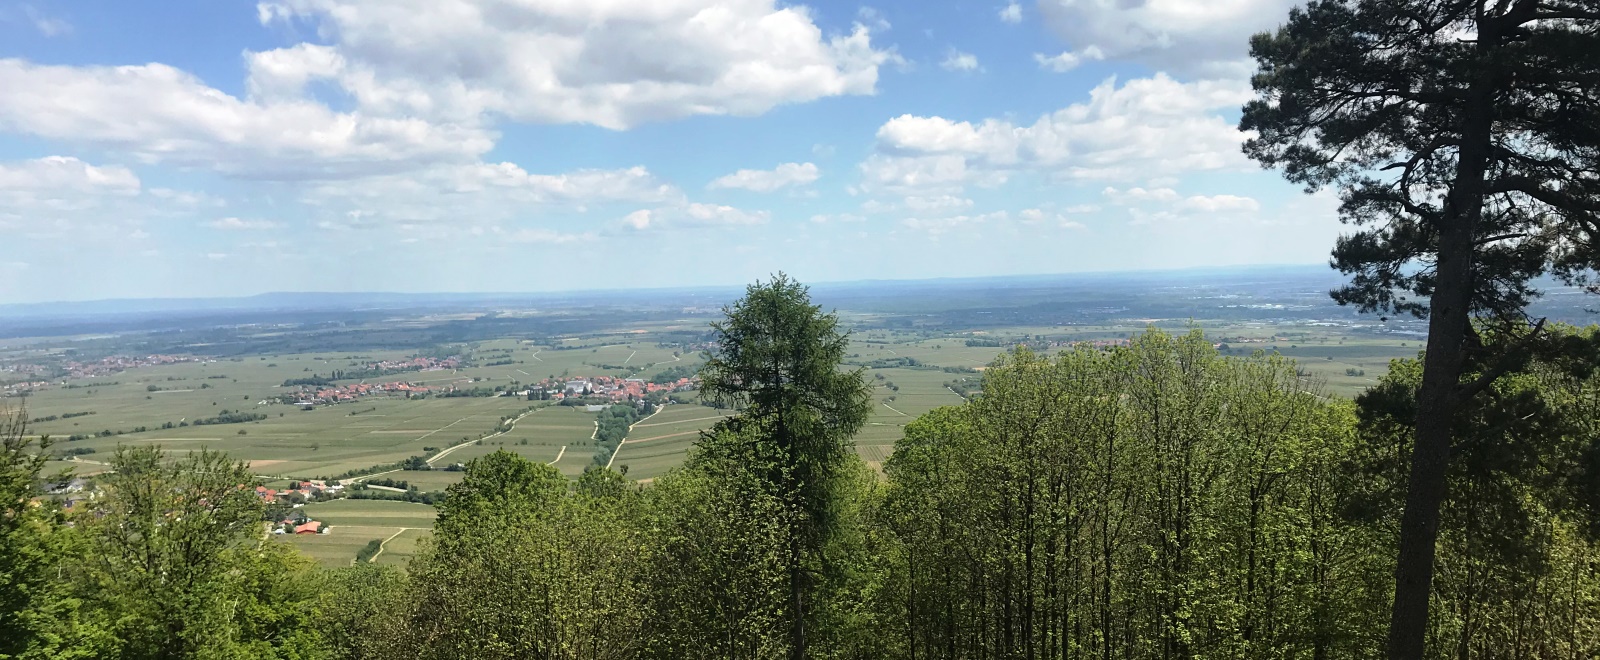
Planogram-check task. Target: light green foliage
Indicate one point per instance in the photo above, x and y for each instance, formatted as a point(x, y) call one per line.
point(522, 567)
point(175, 565)
point(1156, 500)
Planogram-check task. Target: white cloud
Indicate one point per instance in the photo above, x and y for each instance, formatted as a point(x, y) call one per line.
point(714, 214)
point(638, 220)
point(63, 175)
point(236, 224)
point(1221, 204)
point(216, 256)
point(1209, 37)
point(693, 214)
point(28, 14)
point(1068, 60)
point(548, 236)
point(873, 18)
point(959, 61)
point(937, 226)
point(937, 204)
point(1060, 219)
point(482, 192)
point(1011, 13)
point(787, 174)
point(1141, 196)
point(1142, 128)
point(161, 114)
point(1147, 206)
point(823, 219)
point(616, 63)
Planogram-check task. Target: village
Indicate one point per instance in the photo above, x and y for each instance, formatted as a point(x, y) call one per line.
point(606, 387)
point(40, 376)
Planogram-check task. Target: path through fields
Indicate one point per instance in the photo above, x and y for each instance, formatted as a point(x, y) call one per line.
point(510, 427)
point(374, 558)
point(624, 439)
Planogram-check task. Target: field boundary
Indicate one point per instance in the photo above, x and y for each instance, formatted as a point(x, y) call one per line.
point(624, 439)
point(374, 558)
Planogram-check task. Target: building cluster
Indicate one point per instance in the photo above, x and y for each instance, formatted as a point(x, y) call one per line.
point(417, 364)
point(120, 363)
point(610, 387)
point(341, 393)
point(306, 490)
point(41, 376)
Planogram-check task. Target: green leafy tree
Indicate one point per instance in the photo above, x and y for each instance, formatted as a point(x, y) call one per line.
point(1463, 137)
point(177, 564)
point(520, 566)
point(38, 616)
point(778, 358)
point(355, 617)
point(1154, 500)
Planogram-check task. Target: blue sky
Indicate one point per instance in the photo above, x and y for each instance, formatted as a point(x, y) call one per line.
point(214, 147)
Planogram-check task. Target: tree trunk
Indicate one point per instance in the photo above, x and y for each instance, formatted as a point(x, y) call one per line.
point(1438, 400)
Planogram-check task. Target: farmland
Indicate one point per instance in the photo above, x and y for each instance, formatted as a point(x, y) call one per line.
point(909, 371)
point(242, 388)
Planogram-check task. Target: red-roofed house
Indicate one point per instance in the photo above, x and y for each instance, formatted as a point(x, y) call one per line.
point(311, 527)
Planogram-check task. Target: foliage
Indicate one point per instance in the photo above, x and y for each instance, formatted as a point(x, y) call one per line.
point(778, 360)
point(1463, 138)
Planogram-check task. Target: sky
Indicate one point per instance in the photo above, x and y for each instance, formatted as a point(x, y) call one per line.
point(179, 148)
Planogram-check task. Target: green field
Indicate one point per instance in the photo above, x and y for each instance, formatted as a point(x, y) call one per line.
point(291, 443)
point(660, 442)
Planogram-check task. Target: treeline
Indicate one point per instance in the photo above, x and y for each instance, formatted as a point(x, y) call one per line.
point(229, 417)
point(672, 374)
point(51, 418)
point(612, 427)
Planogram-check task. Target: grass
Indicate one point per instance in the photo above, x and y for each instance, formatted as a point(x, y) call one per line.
point(371, 513)
point(661, 442)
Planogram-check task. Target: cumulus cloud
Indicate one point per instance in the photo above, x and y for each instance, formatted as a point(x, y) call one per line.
point(825, 218)
point(937, 204)
point(715, 214)
point(1068, 60)
point(1060, 218)
point(62, 175)
point(548, 236)
point(28, 14)
point(614, 64)
point(692, 214)
point(237, 224)
point(481, 192)
point(1011, 13)
point(161, 114)
point(936, 226)
point(1186, 36)
point(1151, 205)
point(959, 61)
point(785, 175)
point(1145, 127)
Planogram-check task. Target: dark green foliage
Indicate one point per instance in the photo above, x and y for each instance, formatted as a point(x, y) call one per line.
point(672, 374)
point(230, 417)
point(778, 361)
point(1464, 138)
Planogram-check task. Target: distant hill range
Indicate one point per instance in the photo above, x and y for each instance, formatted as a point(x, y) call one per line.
point(856, 292)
